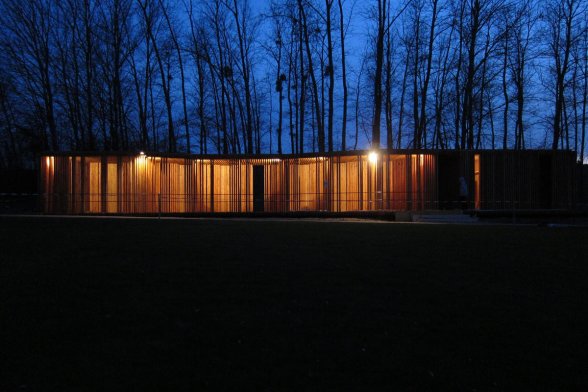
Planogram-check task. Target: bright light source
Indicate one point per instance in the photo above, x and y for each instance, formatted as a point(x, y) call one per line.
point(373, 157)
point(141, 153)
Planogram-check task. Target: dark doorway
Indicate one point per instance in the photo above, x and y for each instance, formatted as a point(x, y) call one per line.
point(258, 188)
point(448, 166)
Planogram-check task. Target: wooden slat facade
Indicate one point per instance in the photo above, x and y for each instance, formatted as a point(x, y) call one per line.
point(351, 181)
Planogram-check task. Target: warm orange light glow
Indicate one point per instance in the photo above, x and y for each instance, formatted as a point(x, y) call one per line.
point(350, 181)
point(141, 161)
point(49, 165)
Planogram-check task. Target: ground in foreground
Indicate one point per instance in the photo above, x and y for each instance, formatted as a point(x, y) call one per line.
point(135, 304)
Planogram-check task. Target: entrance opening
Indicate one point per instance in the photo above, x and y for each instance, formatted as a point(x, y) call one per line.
point(448, 169)
point(258, 188)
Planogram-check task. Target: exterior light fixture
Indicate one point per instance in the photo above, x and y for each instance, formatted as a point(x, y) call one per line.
point(141, 153)
point(373, 157)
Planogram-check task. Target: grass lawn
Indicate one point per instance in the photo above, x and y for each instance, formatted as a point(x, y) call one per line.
point(146, 304)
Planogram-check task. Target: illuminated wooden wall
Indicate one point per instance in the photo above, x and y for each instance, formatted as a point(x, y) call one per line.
point(140, 184)
point(153, 184)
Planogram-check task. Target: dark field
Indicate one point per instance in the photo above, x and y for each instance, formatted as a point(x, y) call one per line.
point(142, 304)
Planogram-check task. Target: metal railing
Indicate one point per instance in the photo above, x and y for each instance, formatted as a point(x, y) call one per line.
point(149, 203)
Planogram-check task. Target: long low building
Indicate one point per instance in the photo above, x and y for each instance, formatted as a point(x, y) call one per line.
point(397, 180)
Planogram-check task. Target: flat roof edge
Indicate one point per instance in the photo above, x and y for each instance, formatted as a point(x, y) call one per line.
point(292, 156)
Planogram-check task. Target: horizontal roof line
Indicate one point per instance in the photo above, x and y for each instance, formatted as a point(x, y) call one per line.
point(293, 156)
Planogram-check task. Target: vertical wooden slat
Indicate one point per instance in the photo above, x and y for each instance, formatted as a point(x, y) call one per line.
point(398, 181)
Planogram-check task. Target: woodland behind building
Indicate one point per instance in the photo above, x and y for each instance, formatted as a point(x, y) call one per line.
point(290, 76)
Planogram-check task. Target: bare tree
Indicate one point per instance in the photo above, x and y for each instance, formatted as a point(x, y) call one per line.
point(561, 16)
point(125, 74)
point(584, 66)
point(142, 73)
point(11, 153)
point(421, 124)
point(311, 71)
point(522, 40)
point(245, 28)
point(176, 44)
point(416, 25)
point(388, 83)
point(276, 49)
point(330, 70)
point(198, 48)
point(28, 36)
point(506, 42)
point(440, 87)
point(384, 22)
point(343, 29)
point(149, 12)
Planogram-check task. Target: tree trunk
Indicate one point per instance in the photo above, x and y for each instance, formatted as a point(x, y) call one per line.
point(380, 35)
point(343, 79)
point(171, 137)
point(331, 71)
point(314, 86)
point(422, 126)
point(182, 78)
